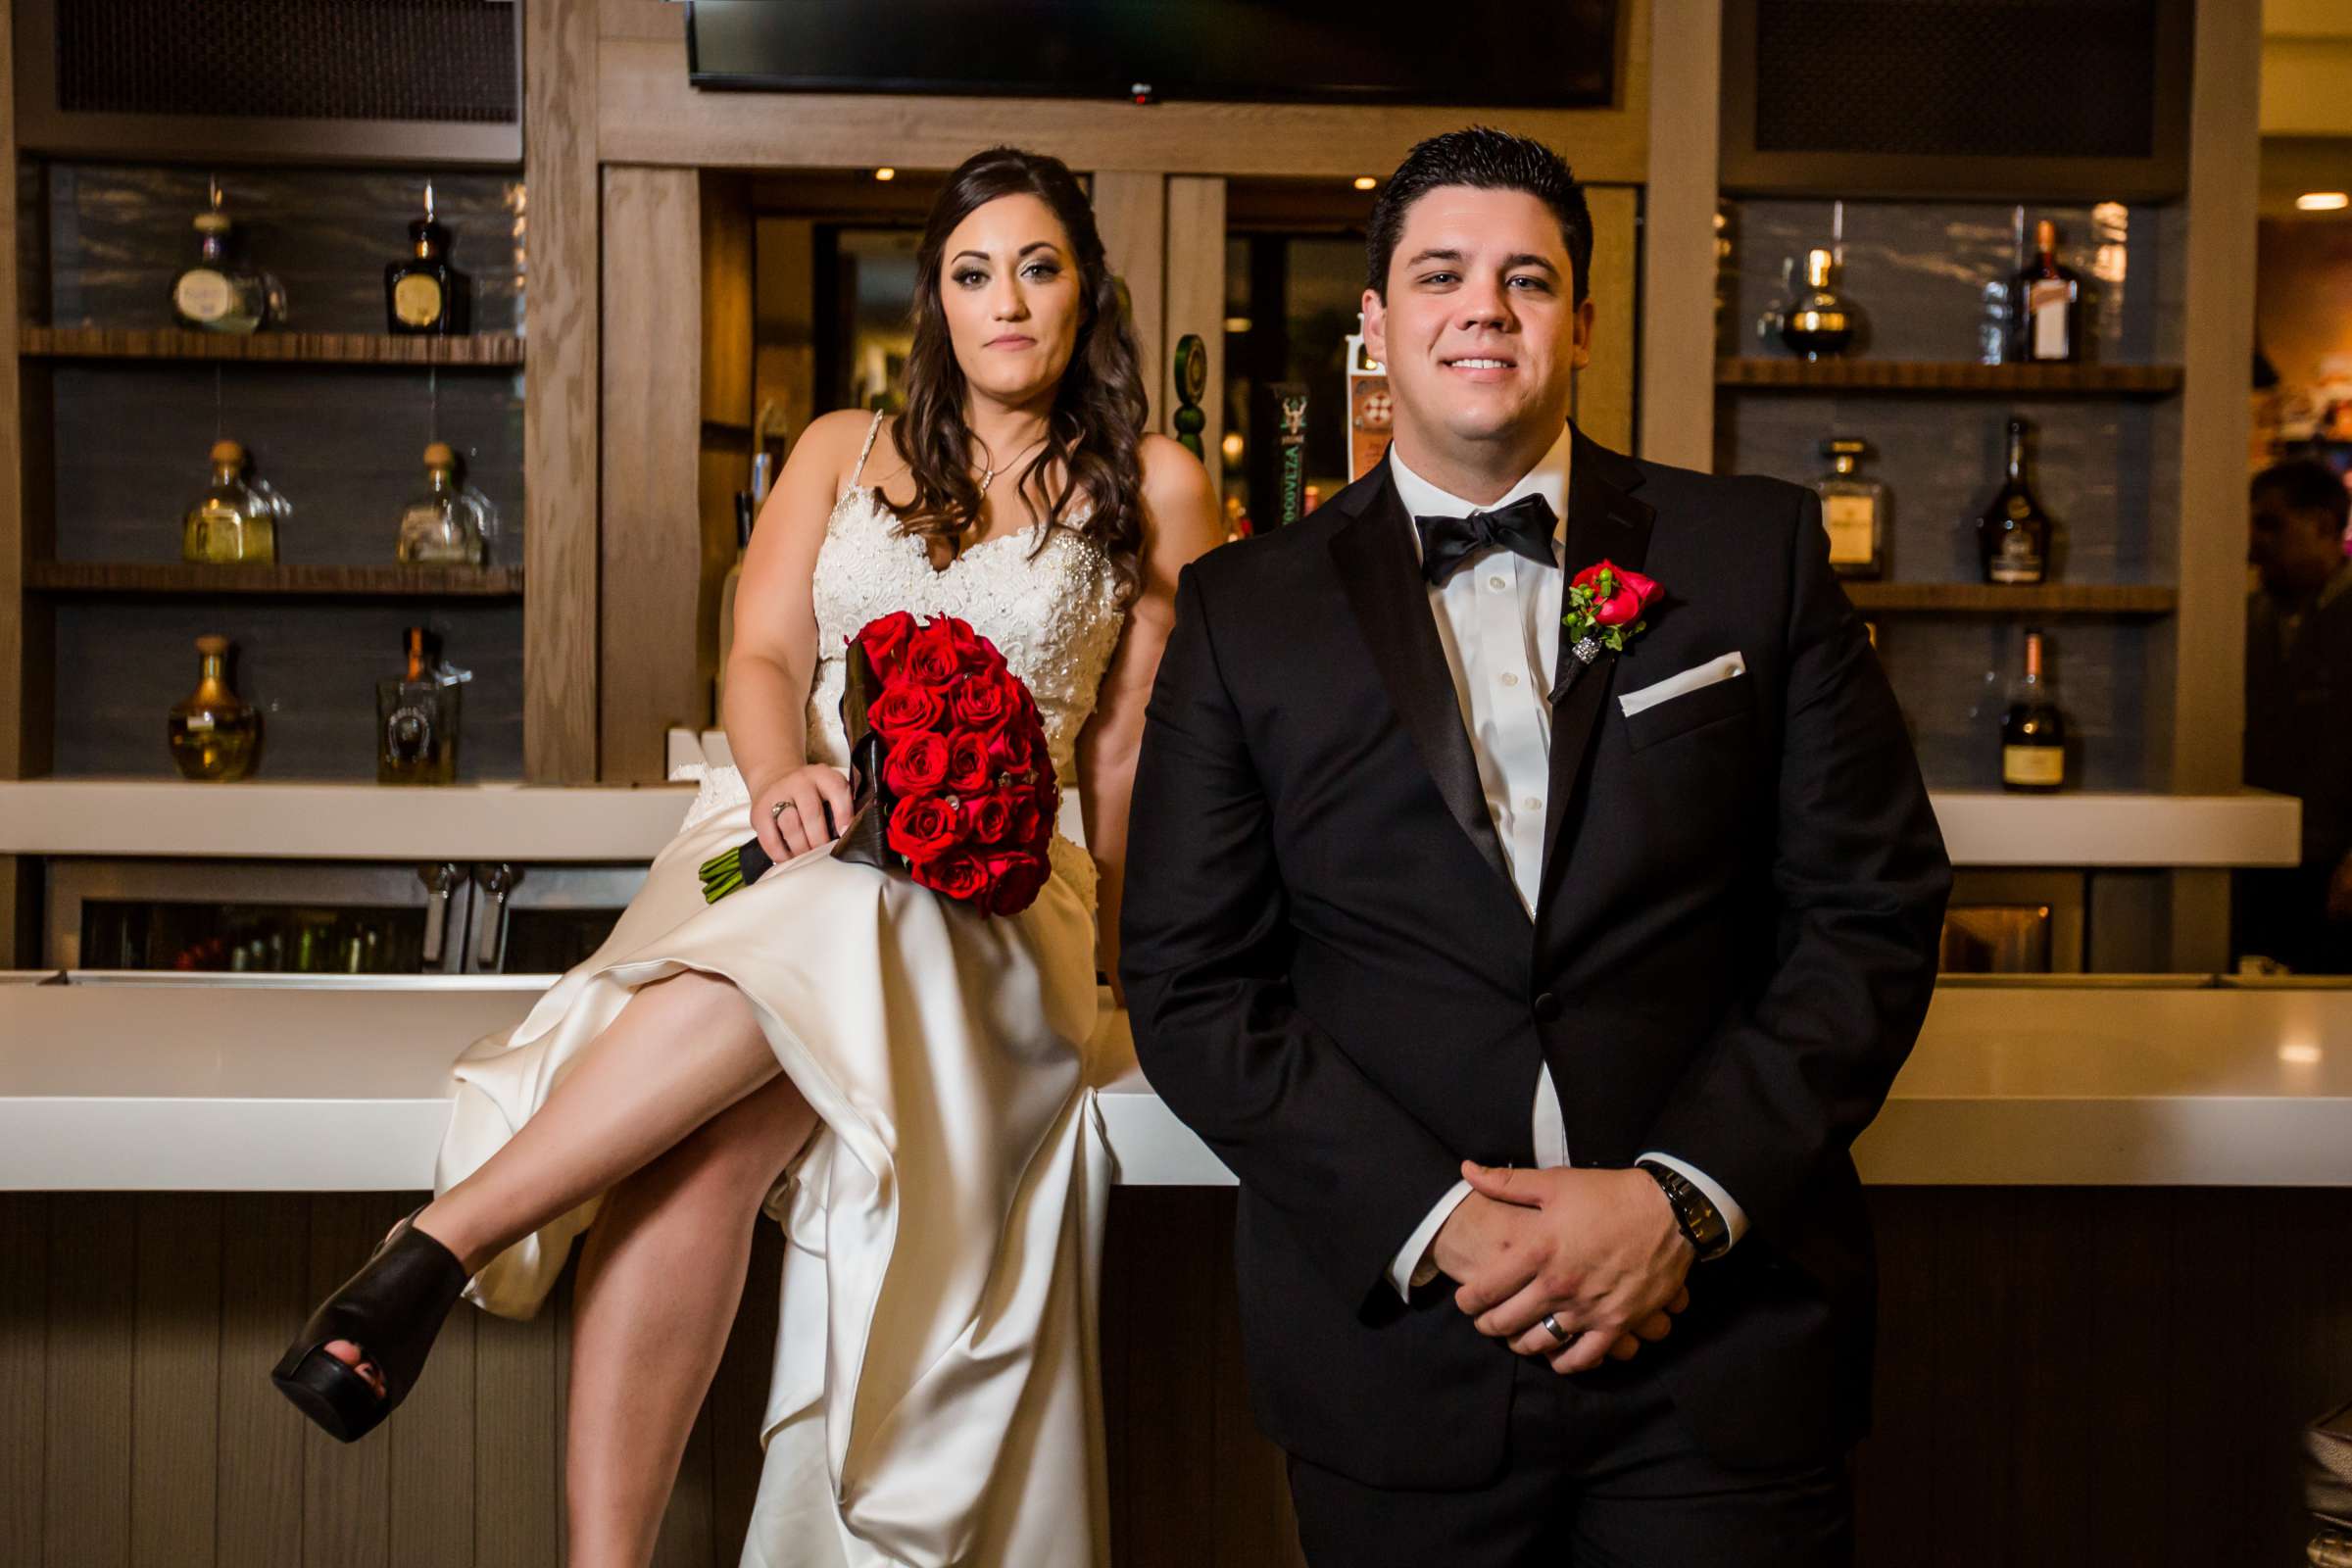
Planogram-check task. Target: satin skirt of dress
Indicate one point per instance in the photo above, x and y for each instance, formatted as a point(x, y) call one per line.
point(934, 1397)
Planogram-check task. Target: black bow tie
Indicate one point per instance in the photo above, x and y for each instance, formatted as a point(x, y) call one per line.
point(1524, 528)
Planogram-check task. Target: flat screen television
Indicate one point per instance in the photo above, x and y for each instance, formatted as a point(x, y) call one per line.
point(1557, 54)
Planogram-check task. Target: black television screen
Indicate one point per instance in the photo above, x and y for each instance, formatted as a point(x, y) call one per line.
point(1559, 54)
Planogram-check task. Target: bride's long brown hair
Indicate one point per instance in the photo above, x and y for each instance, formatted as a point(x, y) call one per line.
point(1095, 425)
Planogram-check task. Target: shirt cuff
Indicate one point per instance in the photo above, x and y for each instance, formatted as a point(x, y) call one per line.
point(1735, 1219)
point(1414, 1267)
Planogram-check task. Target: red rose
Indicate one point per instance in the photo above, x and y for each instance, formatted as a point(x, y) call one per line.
point(1630, 594)
point(931, 653)
point(982, 705)
point(1031, 824)
point(923, 827)
point(968, 763)
point(916, 762)
point(991, 818)
point(1009, 749)
point(1014, 879)
point(904, 709)
point(976, 652)
point(885, 640)
point(957, 873)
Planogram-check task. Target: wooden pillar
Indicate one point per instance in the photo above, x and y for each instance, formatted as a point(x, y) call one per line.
point(651, 675)
point(1131, 214)
point(560, 410)
point(1677, 411)
point(2209, 632)
point(1196, 304)
point(1604, 388)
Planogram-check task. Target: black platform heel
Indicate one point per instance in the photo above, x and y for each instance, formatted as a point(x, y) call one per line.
point(392, 1309)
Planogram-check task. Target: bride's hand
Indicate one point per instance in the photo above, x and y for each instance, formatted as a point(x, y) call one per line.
point(806, 795)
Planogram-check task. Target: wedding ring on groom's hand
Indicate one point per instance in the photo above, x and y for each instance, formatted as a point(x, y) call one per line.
point(1553, 1326)
point(780, 808)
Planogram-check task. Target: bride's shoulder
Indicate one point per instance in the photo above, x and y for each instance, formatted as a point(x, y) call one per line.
point(1180, 506)
point(833, 441)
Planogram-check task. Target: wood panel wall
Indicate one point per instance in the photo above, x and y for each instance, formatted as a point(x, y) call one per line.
point(652, 675)
point(2066, 1376)
point(559, 436)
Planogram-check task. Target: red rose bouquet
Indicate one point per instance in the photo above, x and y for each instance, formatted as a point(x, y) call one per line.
point(947, 766)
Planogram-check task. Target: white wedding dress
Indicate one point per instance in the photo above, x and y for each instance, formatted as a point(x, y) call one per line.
point(935, 1395)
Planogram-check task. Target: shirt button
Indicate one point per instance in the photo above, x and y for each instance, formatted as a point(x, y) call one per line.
point(1532, 804)
point(1548, 1008)
point(1509, 679)
point(1496, 583)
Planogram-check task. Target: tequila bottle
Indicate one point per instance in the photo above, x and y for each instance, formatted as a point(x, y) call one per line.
point(416, 717)
point(423, 295)
point(233, 522)
point(220, 293)
point(213, 734)
point(445, 525)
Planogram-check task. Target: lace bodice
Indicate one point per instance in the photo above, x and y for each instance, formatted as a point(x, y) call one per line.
point(1053, 613)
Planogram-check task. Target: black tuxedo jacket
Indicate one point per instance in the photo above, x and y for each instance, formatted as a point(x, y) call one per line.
point(1334, 982)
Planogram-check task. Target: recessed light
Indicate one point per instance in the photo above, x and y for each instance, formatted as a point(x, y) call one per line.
point(1366, 182)
point(2323, 200)
point(886, 172)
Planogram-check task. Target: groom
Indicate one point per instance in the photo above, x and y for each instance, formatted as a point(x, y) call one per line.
point(1533, 979)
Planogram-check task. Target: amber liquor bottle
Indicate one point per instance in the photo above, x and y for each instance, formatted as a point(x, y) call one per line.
point(423, 295)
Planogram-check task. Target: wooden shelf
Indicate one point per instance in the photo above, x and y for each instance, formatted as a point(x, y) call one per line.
point(1990, 598)
point(479, 350)
point(98, 579)
point(1924, 376)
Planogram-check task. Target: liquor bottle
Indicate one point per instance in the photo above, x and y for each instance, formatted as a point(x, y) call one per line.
point(1853, 510)
point(423, 295)
point(444, 526)
point(211, 733)
point(220, 293)
point(233, 522)
point(1819, 322)
point(2045, 306)
point(2013, 536)
point(416, 717)
point(2032, 731)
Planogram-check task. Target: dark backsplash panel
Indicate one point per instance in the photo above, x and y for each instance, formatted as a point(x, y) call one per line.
point(2103, 467)
point(1918, 272)
point(119, 234)
point(1952, 674)
point(311, 669)
point(345, 445)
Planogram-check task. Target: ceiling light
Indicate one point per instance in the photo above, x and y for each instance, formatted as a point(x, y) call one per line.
point(1366, 182)
point(886, 172)
point(2323, 200)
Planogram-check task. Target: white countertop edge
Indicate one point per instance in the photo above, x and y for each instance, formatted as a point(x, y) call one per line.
point(617, 824)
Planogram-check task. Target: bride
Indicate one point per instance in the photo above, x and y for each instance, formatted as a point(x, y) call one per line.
point(897, 1078)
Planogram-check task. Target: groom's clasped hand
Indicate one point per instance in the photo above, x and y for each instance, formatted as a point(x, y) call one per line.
point(1596, 1250)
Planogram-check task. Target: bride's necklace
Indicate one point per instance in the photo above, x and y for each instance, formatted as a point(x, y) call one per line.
point(988, 471)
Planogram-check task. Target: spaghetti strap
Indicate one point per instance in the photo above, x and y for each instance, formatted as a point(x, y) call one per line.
point(871, 431)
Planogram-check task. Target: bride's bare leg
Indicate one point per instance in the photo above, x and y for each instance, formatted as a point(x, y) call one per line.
point(661, 1276)
point(682, 1049)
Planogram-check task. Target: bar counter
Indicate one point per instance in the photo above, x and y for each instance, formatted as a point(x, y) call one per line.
point(156, 1083)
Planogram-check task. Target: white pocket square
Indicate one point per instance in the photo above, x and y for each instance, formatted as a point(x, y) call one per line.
point(1689, 680)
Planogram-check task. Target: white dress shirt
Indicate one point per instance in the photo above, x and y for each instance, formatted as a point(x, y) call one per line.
point(1499, 620)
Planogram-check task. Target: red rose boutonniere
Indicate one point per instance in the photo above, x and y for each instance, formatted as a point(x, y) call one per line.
point(1604, 608)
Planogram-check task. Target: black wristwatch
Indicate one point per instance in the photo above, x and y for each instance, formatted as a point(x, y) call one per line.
point(1702, 1222)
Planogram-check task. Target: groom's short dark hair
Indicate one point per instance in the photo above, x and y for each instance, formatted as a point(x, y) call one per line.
point(1483, 158)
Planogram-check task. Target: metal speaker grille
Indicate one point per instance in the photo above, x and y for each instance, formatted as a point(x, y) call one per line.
point(2021, 78)
point(427, 60)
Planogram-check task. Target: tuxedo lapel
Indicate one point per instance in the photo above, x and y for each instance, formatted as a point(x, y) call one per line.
point(1604, 523)
point(1383, 580)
